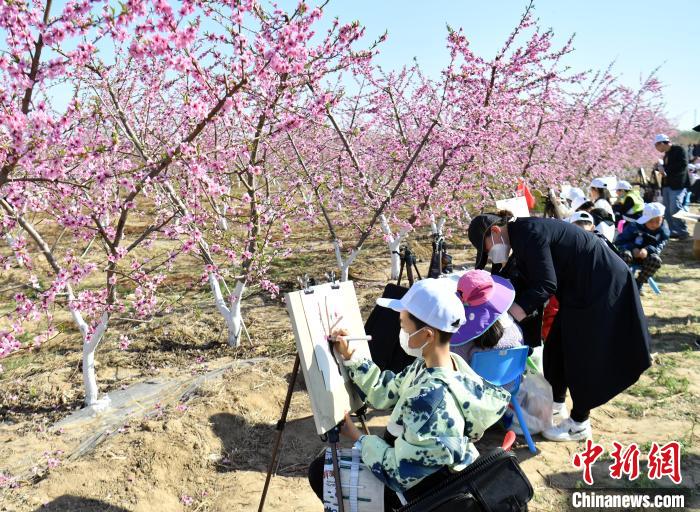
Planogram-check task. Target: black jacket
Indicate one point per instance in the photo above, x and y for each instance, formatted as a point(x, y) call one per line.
point(676, 168)
point(603, 327)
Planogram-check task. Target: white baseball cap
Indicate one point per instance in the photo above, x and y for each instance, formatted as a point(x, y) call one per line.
point(650, 211)
point(581, 217)
point(599, 183)
point(661, 138)
point(572, 193)
point(433, 301)
point(576, 202)
point(623, 185)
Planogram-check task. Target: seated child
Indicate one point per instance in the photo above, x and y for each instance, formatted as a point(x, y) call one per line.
point(440, 406)
point(642, 241)
point(489, 326)
point(583, 220)
point(603, 221)
point(629, 204)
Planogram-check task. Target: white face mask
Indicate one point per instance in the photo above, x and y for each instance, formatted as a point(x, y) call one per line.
point(499, 251)
point(403, 340)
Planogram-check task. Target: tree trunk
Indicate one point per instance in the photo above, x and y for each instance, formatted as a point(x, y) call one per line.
point(344, 265)
point(235, 328)
point(232, 312)
point(90, 344)
point(394, 242)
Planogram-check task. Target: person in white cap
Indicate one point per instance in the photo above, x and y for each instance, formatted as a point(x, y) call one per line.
point(603, 221)
point(675, 183)
point(563, 205)
point(583, 220)
point(629, 204)
point(600, 195)
point(440, 406)
point(642, 241)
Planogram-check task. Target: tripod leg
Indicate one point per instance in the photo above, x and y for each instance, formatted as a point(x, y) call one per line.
point(415, 266)
point(336, 476)
point(280, 428)
point(363, 422)
point(361, 414)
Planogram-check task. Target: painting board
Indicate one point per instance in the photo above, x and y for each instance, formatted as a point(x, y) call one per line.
point(313, 315)
point(516, 205)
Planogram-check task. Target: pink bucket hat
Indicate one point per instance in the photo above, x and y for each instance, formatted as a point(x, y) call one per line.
point(485, 298)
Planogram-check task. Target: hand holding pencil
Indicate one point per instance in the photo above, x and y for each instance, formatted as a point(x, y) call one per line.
point(341, 340)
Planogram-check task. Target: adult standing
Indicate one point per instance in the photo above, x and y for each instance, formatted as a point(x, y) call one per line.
point(675, 183)
point(599, 343)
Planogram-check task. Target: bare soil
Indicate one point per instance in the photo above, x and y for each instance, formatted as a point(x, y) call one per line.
point(210, 452)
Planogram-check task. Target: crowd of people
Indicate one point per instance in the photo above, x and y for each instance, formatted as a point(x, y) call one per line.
point(571, 283)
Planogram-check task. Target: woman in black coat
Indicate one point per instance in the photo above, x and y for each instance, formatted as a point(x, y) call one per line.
point(599, 342)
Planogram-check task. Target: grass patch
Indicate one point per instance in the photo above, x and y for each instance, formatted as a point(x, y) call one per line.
point(14, 362)
point(635, 410)
point(664, 383)
point(644, 390)
point(674, 385)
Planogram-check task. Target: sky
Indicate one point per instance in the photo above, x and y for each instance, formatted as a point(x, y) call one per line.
point(639, 35)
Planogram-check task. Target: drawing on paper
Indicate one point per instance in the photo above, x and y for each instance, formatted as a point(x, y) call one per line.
point(314, 316)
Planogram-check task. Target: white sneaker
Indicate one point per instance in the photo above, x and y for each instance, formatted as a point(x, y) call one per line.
point(559, 413)
point(569, 430)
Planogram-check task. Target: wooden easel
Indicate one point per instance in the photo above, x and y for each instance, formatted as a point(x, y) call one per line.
point(332, 437)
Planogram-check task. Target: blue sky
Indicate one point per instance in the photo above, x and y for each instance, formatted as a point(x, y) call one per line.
point(639, 35)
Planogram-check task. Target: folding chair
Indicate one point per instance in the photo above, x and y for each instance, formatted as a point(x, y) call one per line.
point(505, 368)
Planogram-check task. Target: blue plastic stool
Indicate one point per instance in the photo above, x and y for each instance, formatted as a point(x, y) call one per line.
point(652, 284)
point(505, 368)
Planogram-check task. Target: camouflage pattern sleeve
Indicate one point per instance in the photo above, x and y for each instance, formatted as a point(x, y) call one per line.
point(380, 389)
point(431, 439)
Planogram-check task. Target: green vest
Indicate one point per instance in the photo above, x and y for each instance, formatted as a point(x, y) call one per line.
point(638, 202)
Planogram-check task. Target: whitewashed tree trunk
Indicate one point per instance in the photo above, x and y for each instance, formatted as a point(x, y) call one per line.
point(221, 213)
point(231, 312)
point(236, 316)
point(467, 216)
point(437, 225)
point(394, 242)
point(90, 344)
point(344, 264)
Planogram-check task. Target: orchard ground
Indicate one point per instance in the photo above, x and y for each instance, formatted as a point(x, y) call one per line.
point(209, 452)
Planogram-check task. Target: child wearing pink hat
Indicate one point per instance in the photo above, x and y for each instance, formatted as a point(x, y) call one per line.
point(489, 326)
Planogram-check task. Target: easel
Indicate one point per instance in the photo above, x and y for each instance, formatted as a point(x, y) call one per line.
point(332, 437)
point(408, 261)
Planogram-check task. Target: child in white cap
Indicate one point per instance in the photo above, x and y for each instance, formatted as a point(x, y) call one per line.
point(642, 241)
point(439, 405)
point(629, 203)
point(600, 195)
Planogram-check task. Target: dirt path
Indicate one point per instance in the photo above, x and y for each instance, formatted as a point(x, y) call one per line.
point(210, 453)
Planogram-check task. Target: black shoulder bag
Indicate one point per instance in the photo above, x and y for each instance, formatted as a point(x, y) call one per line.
point(492, 483)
